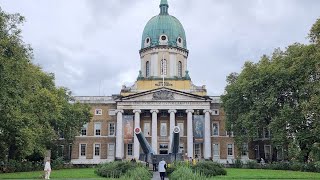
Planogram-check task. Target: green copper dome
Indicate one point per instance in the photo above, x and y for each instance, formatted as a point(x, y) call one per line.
point(163, 25)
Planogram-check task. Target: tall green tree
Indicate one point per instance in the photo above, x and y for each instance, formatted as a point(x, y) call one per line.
point(33, 111)
point(281, 93)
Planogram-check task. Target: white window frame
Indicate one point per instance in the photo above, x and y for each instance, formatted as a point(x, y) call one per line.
point(144, 129)
point(215, 112)
point(95, 129)
point(212, 132)
point(166, 129)
point(179, 69)
point(218, 150)
point(131, 149)
point(181, 128)
point(113, 155)
point(163, 67)
point(199, 150)
point(84, 127)
point(85, 150)
point(109, 129)
point(148, 69)
point(270, 151)
point(232, 146)
point(94, 150)
point(98, 112)
point(265, 129)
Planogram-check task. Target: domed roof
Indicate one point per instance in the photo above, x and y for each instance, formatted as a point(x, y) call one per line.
point(164, 25)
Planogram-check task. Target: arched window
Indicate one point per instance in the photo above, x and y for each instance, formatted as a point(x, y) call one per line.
point(180, 69)
point(147, 69)
point(163, 67)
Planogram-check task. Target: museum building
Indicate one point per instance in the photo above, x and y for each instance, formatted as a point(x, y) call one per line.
point(162, 97)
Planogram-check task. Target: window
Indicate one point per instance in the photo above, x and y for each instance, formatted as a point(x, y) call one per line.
point(181, 126)
point(163, 38)
point(181, 148)
point(146, 114)
point(83, 149)
point(146, 129)
point(163, 114)
point(216, 151)
point(97, 149)
point(266, 133)
point(180, 114)
point(147, 69)
point(215, 111)
point(230, 149)
point(257, 151)
point(215, 129)
point(163, 129)
point(84, 130)
point(110, 151)
point(244, 151)
point(129, 152)
point(179, 40)
point(97, 129)
point(163, 67)
point(98, 112)
point(163, 148)
point(112, 129)
point(180, 69)
point(197, 150)
point(267, 151)
point(147, 40)
point(279, 153)
point(61, 151)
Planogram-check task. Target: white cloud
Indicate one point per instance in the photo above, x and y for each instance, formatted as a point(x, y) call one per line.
point(92, 45)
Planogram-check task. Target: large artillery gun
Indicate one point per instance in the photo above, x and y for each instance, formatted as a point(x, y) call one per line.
point(150, 156)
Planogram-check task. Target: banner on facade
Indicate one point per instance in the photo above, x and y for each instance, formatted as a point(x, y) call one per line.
point(198, 128)
point(127, 128)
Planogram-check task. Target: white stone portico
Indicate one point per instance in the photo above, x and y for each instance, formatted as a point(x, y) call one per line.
point(169, 100)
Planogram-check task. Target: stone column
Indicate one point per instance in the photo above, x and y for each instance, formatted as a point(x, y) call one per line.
point(136, 144)
point(207, 138)
point(154, 138)
point(189, 132)
point(119, 135)
point(172, 124)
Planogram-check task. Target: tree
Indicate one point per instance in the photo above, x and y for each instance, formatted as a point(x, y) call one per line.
point(281, 93)
point(33, 111)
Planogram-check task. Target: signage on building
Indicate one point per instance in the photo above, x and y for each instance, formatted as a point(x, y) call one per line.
point(198, 128)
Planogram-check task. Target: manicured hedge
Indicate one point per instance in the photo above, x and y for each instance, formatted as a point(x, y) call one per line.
point(116, 169)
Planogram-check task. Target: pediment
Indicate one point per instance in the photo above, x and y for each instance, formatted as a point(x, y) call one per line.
point(164, 94)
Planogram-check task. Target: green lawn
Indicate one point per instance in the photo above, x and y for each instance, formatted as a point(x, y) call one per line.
point(267, 174)
point(232, 174)
point(58, 174)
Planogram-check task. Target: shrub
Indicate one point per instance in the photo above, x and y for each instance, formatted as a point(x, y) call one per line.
point(252, 164)
point(21, 166)
point(138, 173)
point(295, 166)
point(238, 163)
point(57, 163)
point(317, 166)
point(185, 172)
point(115, 169)
point(209, 168)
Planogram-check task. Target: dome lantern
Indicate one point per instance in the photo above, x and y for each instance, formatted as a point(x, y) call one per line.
point(164, 7)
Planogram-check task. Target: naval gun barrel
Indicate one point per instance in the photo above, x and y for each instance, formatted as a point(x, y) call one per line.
point(175, 146)
point(143, 141)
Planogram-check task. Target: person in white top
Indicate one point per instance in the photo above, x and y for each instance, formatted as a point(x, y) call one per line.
point(47, 169)
point(162, 168)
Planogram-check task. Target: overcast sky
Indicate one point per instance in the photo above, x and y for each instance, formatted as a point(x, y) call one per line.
point(92, 45)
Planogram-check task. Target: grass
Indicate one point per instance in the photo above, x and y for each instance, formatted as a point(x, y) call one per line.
point(84, 173)
point(267, 174)
point(251, 174)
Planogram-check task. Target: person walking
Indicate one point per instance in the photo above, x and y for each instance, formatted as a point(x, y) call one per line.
point(47, 169)
point(162, 168)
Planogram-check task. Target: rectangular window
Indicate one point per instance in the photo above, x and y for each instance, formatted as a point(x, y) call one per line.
point(110, 151)
point(98, 112)
point(215, 129)
point(244, 151)
point(97, 149)
point(163, 148)
point(215, 111)
point(181, 126)
point(163, 129)
point(216, 150)
point(180, 114)
point(83, 149)
point(164, 113)
point(84, 130)
point(146, 114)
point(279, 153)
point(267, 151)
point(230, 149)
point(130, 150)
point(197, 150)
point(257, 151)
point(146, 129)
point(97, 129)
point(111, 129)
point(181, 149)
point(266, 133)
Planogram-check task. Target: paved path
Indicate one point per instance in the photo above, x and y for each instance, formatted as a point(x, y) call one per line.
point(156, 176)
